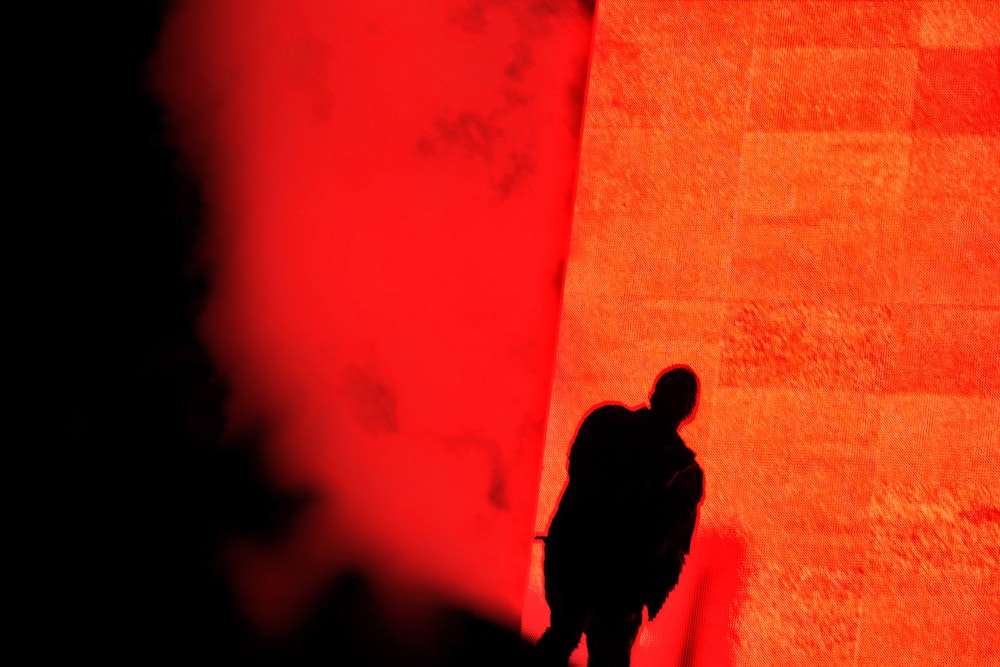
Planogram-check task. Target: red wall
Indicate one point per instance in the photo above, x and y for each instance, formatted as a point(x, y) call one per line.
point(390, 189)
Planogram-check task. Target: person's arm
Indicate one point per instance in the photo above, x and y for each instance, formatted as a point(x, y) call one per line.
point(572, 514)
point(682, 498)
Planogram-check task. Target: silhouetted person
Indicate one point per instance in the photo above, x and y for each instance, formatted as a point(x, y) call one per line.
point(624, 525)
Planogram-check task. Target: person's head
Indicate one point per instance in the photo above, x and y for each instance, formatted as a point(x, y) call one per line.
point(675, 395)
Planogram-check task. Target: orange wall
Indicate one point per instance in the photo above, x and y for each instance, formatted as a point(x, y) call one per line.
point(801, 200)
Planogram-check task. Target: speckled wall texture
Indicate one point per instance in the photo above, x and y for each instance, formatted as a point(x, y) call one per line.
point(801, 200)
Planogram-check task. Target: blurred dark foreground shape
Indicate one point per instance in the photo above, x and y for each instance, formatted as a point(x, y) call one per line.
point(353, 625)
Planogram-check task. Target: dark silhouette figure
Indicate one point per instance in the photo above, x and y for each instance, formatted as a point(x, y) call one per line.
point(624, 525)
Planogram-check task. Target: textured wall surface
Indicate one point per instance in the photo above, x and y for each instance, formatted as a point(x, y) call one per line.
point(801, 200)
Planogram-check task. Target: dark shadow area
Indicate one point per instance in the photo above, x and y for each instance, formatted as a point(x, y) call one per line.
point(140, 490)
point(623, 528)
point(350, 625)
point(137, 490)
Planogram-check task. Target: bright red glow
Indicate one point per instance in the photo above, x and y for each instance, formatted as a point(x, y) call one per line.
point(390, 190)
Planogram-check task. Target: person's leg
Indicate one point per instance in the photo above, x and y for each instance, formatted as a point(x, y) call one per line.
point(563, 635)
point(568, 608)
point(610, 638)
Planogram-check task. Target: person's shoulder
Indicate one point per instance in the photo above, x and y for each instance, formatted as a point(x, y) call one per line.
point(686, 459)
point(682, 444)
point(607, 413)
point(608, 409)
point(692, 470)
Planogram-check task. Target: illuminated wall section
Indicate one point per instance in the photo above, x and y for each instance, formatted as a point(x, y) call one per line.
point(801, 200)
